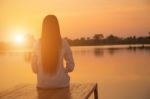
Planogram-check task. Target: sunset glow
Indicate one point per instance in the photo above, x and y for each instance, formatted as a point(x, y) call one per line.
point(19, 35)
point(78, 18)
point(19, 38)
point(75, 49)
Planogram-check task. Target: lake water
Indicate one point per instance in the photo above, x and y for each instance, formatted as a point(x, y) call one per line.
point(121, 72)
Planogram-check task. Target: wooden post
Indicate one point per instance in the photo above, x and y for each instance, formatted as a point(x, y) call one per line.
point(96, 92)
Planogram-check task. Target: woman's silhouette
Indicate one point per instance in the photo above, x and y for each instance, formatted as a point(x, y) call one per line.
point(48, 55)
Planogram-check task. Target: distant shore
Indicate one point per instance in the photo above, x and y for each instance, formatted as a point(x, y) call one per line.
point(112, 46)
point(99, 39)
point(95, 40)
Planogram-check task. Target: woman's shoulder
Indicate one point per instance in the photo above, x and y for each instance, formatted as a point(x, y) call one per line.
point(64, 42)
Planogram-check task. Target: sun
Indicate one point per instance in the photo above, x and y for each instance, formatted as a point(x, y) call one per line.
point(19, 35)
point(19, 38)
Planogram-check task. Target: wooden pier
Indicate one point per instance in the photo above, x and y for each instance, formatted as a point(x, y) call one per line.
point(29, 91)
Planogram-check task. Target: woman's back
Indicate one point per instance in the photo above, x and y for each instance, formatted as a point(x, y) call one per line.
point(60, 78)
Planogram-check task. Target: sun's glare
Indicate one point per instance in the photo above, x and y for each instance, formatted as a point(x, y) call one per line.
point(19, 37)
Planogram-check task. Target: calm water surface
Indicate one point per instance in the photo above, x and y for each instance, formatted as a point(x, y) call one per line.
point(121, 72)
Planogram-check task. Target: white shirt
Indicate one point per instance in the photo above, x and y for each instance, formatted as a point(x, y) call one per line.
point(61, 77)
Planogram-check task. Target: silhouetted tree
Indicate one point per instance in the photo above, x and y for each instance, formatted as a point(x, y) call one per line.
point(82, 38)
point(88, 38)
point(113, 39)
point(98, 36)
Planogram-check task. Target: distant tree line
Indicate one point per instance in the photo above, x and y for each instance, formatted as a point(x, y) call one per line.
point(98, 39)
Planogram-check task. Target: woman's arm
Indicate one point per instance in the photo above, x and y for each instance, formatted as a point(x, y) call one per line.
point(68, 57)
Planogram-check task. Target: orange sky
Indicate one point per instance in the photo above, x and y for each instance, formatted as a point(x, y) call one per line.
point(76, 17)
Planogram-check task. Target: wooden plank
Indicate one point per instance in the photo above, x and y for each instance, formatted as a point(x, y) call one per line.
point(12, 90)
point(29, 91)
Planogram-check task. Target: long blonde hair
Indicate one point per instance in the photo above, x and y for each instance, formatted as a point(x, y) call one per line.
point(50, 44)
